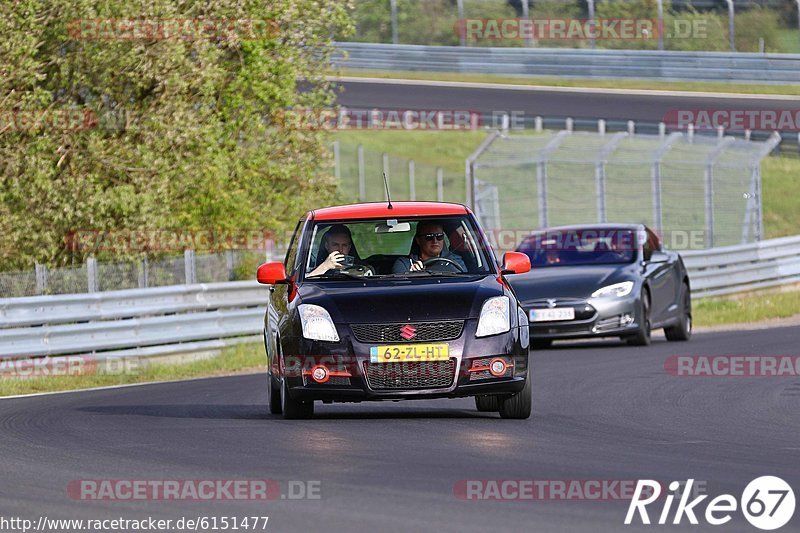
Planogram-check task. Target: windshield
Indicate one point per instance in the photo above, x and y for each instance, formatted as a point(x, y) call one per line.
point(420, 247)
point(580, 247)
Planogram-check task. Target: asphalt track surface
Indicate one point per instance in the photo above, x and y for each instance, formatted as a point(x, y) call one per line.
point(590, 104)
point(602, 411)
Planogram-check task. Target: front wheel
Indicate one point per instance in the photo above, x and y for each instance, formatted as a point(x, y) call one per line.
point(294, 409)
point(518, 407)
point(487, 404)
point(273, 396)
point(642, 337)
point(682, 331)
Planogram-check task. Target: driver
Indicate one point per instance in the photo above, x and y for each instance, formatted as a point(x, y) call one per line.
point(430, 242)
point(338, 242)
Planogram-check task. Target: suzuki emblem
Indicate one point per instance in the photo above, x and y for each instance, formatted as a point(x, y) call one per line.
point(408, 332)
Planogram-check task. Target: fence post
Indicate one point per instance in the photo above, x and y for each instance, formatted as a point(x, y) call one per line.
point(337, 168)
point(412, 190)
point(537, 123)
point(660, 30)
point(662, 130)
point(631, 127)
point(569, 124)
point(601, 127)
point(541, 191)
point(91, 275)
point(189, 267)
point(439, 184)
point(41, 279)
point(461, 23)
point(731, 29)
point(143, 274)
point(526, 15)
point(362, 182)
point(393, 7)
point(230, 262)
point(592, 24)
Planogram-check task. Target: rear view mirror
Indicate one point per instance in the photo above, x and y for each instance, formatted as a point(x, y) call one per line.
point(396, 227)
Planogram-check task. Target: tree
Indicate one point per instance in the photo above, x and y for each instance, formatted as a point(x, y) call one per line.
point(108, 130)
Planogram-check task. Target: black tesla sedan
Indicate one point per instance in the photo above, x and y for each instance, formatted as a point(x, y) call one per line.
point(394, 302)
point(606, 280)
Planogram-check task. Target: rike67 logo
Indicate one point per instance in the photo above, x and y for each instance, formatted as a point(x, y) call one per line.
point(767, 503)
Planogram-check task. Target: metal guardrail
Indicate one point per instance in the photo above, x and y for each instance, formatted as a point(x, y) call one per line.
point(192, 318)
point(575, 63)
point(142, 322)
point(745, 267)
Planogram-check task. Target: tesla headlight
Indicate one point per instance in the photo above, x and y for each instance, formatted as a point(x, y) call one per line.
point(494, 317)
point(616, 290)
point(317, 323)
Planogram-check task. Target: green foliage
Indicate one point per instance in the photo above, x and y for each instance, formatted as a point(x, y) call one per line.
point(182, 136)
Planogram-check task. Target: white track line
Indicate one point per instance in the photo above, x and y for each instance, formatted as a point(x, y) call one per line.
point(576, 90)
point(125, 386)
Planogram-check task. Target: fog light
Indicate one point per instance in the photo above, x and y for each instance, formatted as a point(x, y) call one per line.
point(320, 374)
point(497, 367)
point(625, 319)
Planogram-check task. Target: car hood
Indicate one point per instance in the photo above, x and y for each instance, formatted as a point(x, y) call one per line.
point(418, 300)
point(567, 281)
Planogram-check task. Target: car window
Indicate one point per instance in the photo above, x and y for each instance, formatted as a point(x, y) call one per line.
point(379, 243)
point(290, 261)
point(588, 246)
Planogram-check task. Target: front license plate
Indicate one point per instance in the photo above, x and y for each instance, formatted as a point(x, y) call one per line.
point(551, 315)
point(400, 353)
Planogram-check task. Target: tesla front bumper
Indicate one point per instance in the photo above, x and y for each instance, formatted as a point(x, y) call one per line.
point(594, 317)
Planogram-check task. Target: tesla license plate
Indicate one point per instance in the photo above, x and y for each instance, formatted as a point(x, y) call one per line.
point(551, 315)
point(409, 352)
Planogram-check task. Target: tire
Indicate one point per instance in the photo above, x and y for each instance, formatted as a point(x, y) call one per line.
point(682, 331)
point(518, 407)
point(541, 344)
point(642, 337)
point(294, 409)
point(487, 404)
point(273, 396)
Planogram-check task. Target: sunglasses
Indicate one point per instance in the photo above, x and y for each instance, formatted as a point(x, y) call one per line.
point(432, 236)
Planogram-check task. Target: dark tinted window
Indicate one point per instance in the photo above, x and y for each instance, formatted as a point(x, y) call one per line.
point(580, 247)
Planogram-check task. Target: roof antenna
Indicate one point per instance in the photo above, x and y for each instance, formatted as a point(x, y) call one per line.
point(386, 184)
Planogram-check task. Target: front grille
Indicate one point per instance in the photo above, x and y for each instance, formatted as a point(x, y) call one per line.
point(424, 331)
point(411, 375)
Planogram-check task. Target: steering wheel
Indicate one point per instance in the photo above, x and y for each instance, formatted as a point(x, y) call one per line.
point(448, 264)
point(360, 270)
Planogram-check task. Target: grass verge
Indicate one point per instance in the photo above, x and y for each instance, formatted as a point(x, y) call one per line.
point(552, 81)
point(746, 308)
point(237, 359)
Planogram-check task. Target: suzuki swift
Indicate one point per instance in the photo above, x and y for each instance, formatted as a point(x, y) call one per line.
point(394, 301)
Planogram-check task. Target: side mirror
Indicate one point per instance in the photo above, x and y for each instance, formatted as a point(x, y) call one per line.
point(515, 263)
point(659, 257)
point(272, 273)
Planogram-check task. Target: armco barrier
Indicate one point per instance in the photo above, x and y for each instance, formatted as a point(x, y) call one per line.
point(141, 322)
point(745, 267)
point(575, 63)
point(190, 318)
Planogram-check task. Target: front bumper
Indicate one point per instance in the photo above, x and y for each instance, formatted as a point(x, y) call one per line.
point(595, 317)
point(353, 378)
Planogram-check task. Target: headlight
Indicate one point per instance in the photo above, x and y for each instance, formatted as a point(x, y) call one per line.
point(616, 290)
point(494, 317)
point(317, 323)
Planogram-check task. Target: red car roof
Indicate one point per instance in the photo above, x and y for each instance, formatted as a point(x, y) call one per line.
point(381, 210)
